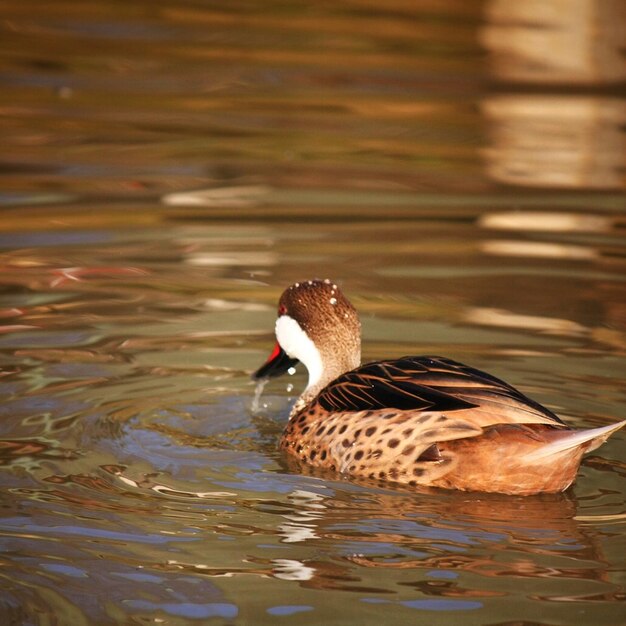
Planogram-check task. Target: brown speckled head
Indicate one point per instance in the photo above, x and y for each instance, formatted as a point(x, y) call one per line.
point(321, 310)
point(328, 320)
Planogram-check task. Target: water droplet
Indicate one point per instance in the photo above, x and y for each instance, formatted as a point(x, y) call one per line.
point(291, 371)
point(257, 395)
point(333, 300)
point(289, 388)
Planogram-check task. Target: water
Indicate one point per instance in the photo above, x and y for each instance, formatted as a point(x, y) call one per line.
point(168, 169)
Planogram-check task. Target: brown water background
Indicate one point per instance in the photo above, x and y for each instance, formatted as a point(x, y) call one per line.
point(168, 168)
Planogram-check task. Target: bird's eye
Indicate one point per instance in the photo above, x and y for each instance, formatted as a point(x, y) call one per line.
point(282, 309)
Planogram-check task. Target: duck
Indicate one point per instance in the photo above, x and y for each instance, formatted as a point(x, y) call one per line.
point(421, 421)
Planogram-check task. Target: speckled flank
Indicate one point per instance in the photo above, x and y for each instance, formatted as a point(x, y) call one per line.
point(372, 444)
point(420, 420)
point(428, 449)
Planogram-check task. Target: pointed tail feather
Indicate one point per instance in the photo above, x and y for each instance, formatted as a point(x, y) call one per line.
point(563, 440)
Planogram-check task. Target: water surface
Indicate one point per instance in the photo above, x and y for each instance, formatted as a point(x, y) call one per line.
point(168, 169)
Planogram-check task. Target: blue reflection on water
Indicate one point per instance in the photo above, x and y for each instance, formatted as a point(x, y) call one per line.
point(430, 604)
point(36, 239)
point(289, 609)
point(187, 609)
point(411, 528)
point(66, 570)
point(440, 573)
point(21, 525)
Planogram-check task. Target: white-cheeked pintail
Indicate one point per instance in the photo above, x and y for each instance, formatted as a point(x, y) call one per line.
point(417, 420)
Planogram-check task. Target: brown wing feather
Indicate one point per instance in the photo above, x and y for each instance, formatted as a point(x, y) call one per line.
point(433, 384)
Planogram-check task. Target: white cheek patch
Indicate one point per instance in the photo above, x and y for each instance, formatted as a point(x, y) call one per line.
point(296, 343)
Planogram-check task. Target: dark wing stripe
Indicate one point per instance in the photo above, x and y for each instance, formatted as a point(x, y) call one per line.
point(368, 388)
point(423, 383)
point(493, 386)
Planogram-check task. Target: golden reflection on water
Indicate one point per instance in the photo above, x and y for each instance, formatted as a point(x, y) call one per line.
point(571, 140)
point(539, 249)
point(510, 319)
point(560, 222)
point(556, 141)
point(556, 41)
